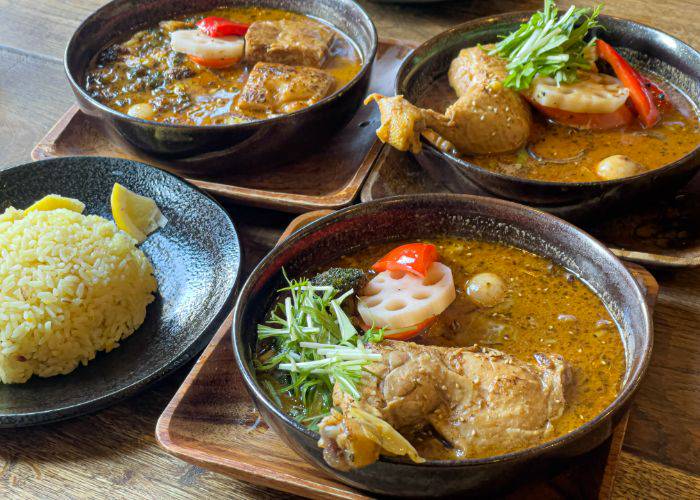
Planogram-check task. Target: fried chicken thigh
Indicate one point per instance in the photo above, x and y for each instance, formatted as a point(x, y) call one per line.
point(486, 117)
point(474, 398)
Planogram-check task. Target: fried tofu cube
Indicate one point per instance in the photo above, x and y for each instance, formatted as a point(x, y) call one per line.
point(292, 42)
point(278, 88)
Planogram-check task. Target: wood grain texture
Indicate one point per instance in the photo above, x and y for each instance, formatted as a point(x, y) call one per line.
point(113, 453)
point(641, 478)
point(28, 109)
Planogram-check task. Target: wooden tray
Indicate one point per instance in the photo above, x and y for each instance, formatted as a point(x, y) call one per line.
point(328, 178)
point(212, 422)
point(663, 233)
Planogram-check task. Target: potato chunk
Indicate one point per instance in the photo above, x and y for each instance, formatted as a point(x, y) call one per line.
point(297, 43)
point(278, 88)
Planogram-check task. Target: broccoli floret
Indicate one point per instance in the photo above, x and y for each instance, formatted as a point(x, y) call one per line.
point(342, 279)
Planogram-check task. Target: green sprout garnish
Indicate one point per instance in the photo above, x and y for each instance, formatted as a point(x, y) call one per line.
point(549, 45)
point(316, 346)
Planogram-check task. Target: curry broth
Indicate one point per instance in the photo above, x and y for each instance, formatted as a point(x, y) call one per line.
point(675, 136)
point(182, 92)
point(546, 310)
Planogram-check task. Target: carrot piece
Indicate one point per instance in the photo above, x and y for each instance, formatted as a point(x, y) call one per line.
point(214, 63)
point(410, 332)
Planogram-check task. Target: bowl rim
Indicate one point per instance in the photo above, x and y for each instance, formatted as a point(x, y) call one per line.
point(366, 66)
point(191, 351)
point(631, 384)
point(522, 16)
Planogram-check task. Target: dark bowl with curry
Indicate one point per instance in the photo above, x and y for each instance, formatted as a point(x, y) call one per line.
point(565, 314)
point(214, 86)
point(560, 166)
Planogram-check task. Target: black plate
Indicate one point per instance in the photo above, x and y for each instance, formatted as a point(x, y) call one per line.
point(196, 258)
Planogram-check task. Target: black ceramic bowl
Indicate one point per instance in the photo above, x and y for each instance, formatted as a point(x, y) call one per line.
point(220, 148)
point(649, 49)
point(196, 258)
point(402, 218)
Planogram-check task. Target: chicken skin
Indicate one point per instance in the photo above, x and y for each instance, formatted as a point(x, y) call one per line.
point(486, 117)
point(478, 400)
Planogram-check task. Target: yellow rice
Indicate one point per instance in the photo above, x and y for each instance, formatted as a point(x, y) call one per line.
point(70, 286)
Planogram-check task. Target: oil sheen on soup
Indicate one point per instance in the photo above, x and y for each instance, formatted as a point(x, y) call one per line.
point(546, 310)
point(570, 155)
point(145, 70)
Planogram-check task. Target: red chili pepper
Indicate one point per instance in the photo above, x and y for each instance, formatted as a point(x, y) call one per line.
point(640, 96)
point(413, 258)
point(218, 26)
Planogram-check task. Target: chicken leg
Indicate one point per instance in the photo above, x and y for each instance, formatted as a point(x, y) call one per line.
point(479, 400)
point(486, 117)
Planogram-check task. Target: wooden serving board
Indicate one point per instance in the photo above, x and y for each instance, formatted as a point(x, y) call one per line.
point(661, 233)
point(212, 422)
point(327, 178)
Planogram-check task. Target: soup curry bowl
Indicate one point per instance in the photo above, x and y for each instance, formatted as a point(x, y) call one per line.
point(212, 145)
point(653, 52)
point(424, 217)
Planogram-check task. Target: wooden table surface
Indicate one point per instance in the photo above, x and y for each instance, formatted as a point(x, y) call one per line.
point(114, 453)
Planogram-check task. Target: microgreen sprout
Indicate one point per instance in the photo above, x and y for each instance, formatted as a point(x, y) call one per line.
point(549, 45)
point(313, 342)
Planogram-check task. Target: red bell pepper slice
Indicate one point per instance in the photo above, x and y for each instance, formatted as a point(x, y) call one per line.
point(414, 258)
point(216, 27)
point(659, 95)
point(640, 96)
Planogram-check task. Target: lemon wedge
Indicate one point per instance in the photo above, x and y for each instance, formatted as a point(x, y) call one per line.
point(136, 215)
point(54, 202)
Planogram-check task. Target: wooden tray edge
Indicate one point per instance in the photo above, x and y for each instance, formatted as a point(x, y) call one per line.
point(655, 259)
point(221, 463)
point(607, 483)
point(287, 202)
point(297, 203)
point(42, 150)
point(366, 191)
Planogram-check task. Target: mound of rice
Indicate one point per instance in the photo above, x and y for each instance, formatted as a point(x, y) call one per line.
point(70, 286)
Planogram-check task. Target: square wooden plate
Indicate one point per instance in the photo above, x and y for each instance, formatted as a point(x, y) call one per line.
point(328, 178)
point(212, 422)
